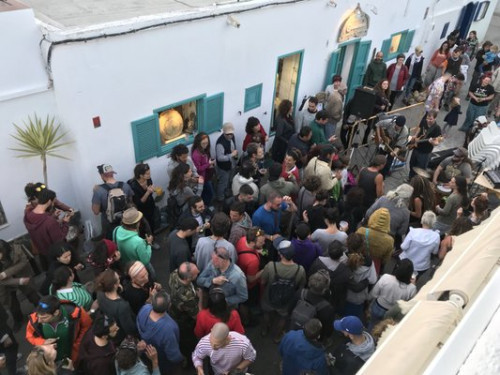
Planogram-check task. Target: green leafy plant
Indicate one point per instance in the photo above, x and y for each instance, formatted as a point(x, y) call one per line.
point(40, 138)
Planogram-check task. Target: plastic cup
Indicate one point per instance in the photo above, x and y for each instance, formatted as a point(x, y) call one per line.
point(343, 225)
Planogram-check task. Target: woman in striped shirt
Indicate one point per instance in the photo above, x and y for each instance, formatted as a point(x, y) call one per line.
point(64, 288)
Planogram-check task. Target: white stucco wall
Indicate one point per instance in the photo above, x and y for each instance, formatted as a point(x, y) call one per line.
point(124, 78)
point(22, 64)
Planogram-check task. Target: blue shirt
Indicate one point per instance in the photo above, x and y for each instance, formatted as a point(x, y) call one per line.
point(163, 335)
point(268, 221)
point(235, 289)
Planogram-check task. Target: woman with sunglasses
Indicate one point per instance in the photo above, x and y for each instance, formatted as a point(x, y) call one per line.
point(143, 188)
point(42, 361)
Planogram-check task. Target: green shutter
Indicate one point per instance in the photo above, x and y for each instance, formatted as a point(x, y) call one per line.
point(358, 69)
point(407, 42)
point(214, 113)
point(146, 134)
point(253, 97)
point(386, 45)
point(332, 68)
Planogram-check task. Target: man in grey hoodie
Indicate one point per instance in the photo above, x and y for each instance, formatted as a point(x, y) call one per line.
point(350, 357)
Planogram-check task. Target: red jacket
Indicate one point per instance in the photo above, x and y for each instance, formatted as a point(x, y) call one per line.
point(249, 138)
point(44, 230)
point(205, 321)
point(80, 323)
point(402, 78)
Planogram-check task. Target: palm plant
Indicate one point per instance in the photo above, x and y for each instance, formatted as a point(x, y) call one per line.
point(40, 138)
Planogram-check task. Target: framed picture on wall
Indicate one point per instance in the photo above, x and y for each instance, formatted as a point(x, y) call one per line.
point(481, 10)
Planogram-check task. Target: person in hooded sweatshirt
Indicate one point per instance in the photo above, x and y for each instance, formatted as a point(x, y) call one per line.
point(241, 222)
point(378, 241)
point(97, 351)
point(302, 351)
point(351, 356)
point(244, 177)
point(278, 184)
point(131, 246)
point(45, 229)
point(158, 329)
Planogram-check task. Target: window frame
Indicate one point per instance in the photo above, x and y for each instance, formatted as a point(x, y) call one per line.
point(253, 97)
point(200, 103)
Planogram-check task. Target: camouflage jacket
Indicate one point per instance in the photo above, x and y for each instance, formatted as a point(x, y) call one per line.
point(184, 299)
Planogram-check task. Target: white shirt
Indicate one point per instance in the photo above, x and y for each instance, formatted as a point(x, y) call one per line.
point(389, 290)
point(418, 246)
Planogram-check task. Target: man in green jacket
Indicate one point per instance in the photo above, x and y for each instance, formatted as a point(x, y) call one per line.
point(131, 246)
point(318, 129)
point(376, 70)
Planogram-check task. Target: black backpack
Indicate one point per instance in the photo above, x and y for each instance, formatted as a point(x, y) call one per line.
point(282, 290)
point(304, 311)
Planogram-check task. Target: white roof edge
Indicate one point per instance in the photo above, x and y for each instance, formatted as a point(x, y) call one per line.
point(55, 34)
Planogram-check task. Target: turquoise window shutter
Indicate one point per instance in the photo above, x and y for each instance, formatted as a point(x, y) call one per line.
point(145, 133)
point(408, 40)
point(214, 113)
point(386, 45)
point(359, 67)
point(253, 97)
point(332, 67)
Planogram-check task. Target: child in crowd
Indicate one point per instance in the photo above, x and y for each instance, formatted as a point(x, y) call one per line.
point(451, 119)
point(490, 57)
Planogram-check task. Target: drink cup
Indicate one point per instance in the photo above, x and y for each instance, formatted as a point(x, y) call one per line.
point(343, 226)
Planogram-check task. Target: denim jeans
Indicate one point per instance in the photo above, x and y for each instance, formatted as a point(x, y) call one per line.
point(377, 314)
point(330, 128)
point(409, 86)
point(473, 112)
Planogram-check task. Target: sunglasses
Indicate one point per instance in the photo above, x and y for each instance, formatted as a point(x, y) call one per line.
point(40, 188)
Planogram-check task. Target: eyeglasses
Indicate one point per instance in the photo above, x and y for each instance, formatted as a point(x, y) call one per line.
point(219, 255)
point(40, 188)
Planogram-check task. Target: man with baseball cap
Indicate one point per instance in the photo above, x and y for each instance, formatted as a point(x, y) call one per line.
point(394, 127)
point(351, 356)
point(100, 197)
point(226, 155)
point(456, 165)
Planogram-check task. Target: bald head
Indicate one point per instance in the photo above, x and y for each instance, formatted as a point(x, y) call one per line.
point(220, 331)
point(188, 271)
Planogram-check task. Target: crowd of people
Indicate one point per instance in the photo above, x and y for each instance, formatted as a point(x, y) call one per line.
point(283, 237)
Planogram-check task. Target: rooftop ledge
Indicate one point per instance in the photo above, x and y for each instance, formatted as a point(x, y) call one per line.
point(64, 19)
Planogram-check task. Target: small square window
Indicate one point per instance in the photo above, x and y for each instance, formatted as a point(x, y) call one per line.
point(482, 10)
point(253, 97)
point(395, 42)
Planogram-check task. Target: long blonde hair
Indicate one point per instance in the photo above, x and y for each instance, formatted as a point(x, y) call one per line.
point(37, 363)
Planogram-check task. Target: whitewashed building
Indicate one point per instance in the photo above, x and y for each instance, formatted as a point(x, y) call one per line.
point(114, 72)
